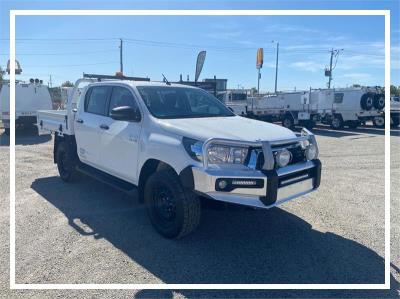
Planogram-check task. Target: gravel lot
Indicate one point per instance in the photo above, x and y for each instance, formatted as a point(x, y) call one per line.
point(87, 232)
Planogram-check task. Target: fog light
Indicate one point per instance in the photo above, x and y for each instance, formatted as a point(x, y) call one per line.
point(222, 184)
point(283, 157)
point(311, 152)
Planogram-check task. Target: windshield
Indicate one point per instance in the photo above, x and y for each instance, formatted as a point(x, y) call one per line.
point(178, 102)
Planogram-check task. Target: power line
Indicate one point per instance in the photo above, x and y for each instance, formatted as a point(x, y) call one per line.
point(73, 65)
point(61, 53)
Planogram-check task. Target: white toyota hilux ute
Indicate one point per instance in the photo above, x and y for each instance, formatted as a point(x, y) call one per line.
point(175, 145)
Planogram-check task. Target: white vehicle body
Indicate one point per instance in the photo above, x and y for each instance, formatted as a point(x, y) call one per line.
point(292, 108)
point(126, 149)
point(349, 105)
point(29, 98)
point(337, 107)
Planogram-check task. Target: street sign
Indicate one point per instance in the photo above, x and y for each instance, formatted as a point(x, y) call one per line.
point(260, 58)
point(199, 64)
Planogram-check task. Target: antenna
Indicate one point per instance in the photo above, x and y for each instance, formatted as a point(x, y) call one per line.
point(165, 80)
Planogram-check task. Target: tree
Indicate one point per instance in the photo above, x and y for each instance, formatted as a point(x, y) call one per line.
point(394, 90)
point(67, 84)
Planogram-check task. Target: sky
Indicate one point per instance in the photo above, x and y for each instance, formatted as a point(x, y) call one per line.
point(66, 46)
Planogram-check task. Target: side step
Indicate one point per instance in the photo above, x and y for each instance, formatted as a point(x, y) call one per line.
point(108, 179)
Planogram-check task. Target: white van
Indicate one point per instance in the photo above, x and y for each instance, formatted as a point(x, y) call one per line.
point(29, 97)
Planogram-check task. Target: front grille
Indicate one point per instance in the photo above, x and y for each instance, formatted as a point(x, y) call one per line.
point(297, 154)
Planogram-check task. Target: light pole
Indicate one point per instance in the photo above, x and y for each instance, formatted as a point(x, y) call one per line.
point(276, 66)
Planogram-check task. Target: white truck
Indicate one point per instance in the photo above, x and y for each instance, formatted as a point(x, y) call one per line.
point(352, 107)
point(297, 108)
point(29, 98)
point(235, 99)
point(175, 145)
point(337, 107)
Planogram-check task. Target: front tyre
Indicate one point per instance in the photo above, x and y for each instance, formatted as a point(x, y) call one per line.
point(65, 163)
point(288, 122)
point(173, 212)
point(337, 122)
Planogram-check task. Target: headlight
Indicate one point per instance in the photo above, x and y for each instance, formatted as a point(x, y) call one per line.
point(222, 154)
point(311, 152)
point(194, 148)
point(283, 157)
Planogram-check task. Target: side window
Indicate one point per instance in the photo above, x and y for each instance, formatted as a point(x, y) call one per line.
point(120, 97)
point(96, 100)
point(338, 98)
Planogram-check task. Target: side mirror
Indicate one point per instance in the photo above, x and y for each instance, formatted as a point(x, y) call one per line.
point(126, 113)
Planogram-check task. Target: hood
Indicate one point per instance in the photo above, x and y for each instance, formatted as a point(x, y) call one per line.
point(234, 127)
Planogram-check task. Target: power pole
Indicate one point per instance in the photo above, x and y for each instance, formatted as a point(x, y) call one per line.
point(276, 67)
point(121, 66)
point(50, 82)
point(328, 73)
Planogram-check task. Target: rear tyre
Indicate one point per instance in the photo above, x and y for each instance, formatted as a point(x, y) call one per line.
point(379, 122)
point(337, 122)
point(288, 121)
point(7, 131)
point(65, 163)
point(173, 211)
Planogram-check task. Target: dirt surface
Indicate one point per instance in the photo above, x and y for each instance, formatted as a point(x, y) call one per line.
point(87, 232)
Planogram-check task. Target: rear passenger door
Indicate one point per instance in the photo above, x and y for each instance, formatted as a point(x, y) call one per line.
point(88, 122)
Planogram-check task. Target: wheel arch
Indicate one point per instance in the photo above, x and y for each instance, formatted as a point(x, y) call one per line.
point(149, 167)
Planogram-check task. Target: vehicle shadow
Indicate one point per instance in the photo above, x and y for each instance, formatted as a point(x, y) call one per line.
point(24, 137)
point(231, 246)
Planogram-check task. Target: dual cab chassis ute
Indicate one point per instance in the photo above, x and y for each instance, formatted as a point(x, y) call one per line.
point(175, 145)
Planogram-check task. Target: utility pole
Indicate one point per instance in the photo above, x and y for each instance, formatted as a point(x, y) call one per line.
point(121, 67)
point(276, 67)
point(328, 72)
point(258, 81)
point(50, 82)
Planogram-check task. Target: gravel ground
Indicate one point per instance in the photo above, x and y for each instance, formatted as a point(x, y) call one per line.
point(86, 232)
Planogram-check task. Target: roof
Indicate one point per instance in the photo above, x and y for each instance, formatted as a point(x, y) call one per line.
point(140, 83)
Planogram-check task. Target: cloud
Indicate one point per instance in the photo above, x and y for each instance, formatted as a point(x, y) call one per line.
point(309, 66)
point(288, 28)
point(226, 35)
point(356, 75)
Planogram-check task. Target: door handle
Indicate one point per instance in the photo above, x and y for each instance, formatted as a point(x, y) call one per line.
point(79, 121)
point(104, 127)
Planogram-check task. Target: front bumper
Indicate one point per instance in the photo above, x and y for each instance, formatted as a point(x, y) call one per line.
point(271, 187)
